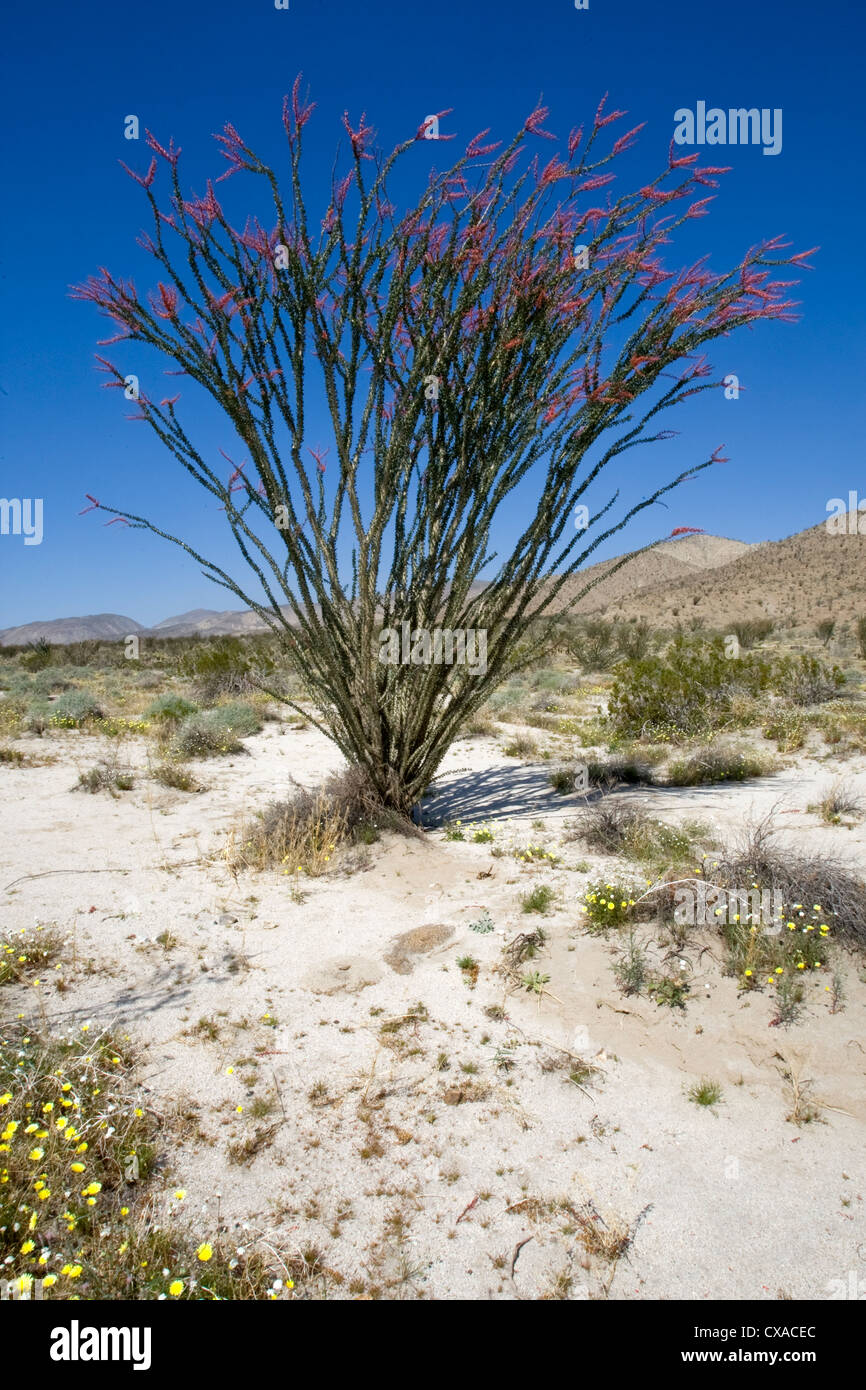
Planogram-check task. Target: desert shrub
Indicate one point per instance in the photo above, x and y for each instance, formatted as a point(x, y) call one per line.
point(693, 687)
point(787, 728)
point(214, 731)
point(594, 644)
point(38, 719)
point(508, 697)
point(611, 772)
point(171, 775)
point(38, 656)
point(170, 709)
point(478, 726)
point(221, 667)
point(633, 640)
point(237, 716)
point(105, 777)
point(807, 681)
point(686, 690)
point(825, 629)
point(563, 780)
point(750, 631)
point(74, 709)
point(818, 881)
point(198, 737)
point(716, 763)
point(546, 679)
point(521, 747)
point(13, 756)
point(612, 827)
point(147, 680)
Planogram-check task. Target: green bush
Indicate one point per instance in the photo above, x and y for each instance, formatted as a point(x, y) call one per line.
point(807, 681)
point(607, 905)
point(221, 667)
point(168, 709)
point(689, 689)
point(39, 655)
point(694, 688)
point(787, 729)
point(214, 731)
point(237, 716)
point(172, 775)
point(752, 630)
point(75, 708)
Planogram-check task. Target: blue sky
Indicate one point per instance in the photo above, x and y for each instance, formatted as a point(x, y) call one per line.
point(795, 436)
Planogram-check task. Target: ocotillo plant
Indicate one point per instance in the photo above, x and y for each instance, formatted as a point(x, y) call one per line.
point(507, 330)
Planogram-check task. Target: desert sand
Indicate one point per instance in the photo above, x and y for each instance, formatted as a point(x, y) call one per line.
point(421, 1146)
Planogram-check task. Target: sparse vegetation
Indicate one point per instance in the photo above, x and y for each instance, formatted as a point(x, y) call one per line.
point(840, 800)
point(106, 777)
point(705, 1092)
point(717, 763)
point(538, 899)
point(74, 1208)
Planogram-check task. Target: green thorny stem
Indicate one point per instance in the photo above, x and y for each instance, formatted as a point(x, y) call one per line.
point(463, 348)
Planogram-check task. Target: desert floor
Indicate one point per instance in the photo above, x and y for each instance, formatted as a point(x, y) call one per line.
point(419, 1146)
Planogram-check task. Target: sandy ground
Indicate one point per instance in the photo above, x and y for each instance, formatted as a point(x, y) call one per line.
point(412, 1176)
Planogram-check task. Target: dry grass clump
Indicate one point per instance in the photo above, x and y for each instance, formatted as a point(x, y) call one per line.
point(840, 800)
point(717, 763)
point(801, 878)
point(521, 747)
point(106, 776)
point(304, 833)
point(78, 1214)
point(478, 726)
point(608, 773)
point(176, 776)
point(615, 827)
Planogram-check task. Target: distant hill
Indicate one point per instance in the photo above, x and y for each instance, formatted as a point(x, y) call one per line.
point(108, 626)
point(667, 564)
point(209, 622)
point(799, 580)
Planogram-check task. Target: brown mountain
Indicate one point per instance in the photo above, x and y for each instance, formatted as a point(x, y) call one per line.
point(798, 581)
point(667, 564)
